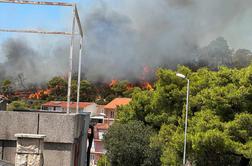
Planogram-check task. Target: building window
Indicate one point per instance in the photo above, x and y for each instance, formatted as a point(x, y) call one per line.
point(57, 108)
point(101, 134)
point(50, 108)
point(112, 114)
point(92, 157)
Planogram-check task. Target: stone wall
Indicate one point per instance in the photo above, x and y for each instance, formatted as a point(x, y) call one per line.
point(29, 150)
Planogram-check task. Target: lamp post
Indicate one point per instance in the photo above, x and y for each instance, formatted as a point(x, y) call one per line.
point(186, 117)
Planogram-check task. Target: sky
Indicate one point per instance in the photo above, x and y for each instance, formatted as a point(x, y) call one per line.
point(50, 18)
point(15, 16)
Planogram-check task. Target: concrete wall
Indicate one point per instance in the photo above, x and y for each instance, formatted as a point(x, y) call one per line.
point(9, 151)
point(58, 154)
point(17, 122)
point(3, 105)
point(1, 150)
point(66, 134)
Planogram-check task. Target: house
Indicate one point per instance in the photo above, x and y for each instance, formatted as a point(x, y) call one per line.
point(100, 129)
point(107, 111)
point(98, 149)
point(110, 109)
point(61, 106)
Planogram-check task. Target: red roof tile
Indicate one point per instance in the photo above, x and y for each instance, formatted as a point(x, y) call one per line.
point(63, 104)
point(103, 126)
point(117, 102)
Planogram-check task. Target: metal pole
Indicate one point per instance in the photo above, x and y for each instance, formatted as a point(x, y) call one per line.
point(79, 76)
point(35, 31)
point(70, 64)
point(186, 118)
point(37, 2)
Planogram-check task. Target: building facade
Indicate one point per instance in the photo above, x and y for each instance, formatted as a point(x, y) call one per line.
point(61, 106)
point(110, 112)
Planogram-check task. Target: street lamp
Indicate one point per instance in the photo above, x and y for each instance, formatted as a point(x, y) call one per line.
point(187, 103)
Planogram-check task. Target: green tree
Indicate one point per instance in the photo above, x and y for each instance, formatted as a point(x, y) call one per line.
point(138, 109)
point(128, 144)
point(103, 161)
point(58, 87)
point(17, 105)
point(217, 53)
point(242, 58)
point(219, 115)
point(6, 88)
point(210, 141)
point(121, 88)
point(87, 91)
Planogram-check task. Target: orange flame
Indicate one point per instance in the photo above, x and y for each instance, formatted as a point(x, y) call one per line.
point(130, 86)
point(113, 82)
point(147, 86)
point(39, 94)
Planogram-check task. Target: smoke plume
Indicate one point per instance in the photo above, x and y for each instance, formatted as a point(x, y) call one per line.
point(123, 37)
point(161, 33)
point(26, 65)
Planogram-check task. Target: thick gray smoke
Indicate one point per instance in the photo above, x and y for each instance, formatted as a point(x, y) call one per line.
point(121, 40)
point(123, 37)
point(26, 65)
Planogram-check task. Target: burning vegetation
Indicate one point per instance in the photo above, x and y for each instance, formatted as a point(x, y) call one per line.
point(100, 92)
point(40, 94)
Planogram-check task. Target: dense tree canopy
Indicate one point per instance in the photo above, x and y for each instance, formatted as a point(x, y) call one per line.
point(103, 161)
point(6, 88)
point(17, 105)
point(58, 87)
point(128, 144)
point(220, 116)
point(58, 90)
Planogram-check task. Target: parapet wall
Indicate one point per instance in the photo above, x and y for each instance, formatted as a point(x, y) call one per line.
point(66, 135)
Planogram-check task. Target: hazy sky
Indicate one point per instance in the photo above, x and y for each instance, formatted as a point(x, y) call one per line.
point(238, 32)
point(122, 36)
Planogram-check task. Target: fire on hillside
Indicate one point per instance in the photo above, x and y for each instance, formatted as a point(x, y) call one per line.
point(143, 82)
point(40, 94)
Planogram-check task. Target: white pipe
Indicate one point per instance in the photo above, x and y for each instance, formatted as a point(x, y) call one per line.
point(79, 76)
point(70, 64)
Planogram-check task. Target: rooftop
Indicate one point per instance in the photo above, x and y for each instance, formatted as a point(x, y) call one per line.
point(103, 126)
point(117, 102)
point(63, 104)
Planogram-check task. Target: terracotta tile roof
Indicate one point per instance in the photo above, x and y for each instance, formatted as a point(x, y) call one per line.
point(117, 102)
point(103, 126)
point(63, 104)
